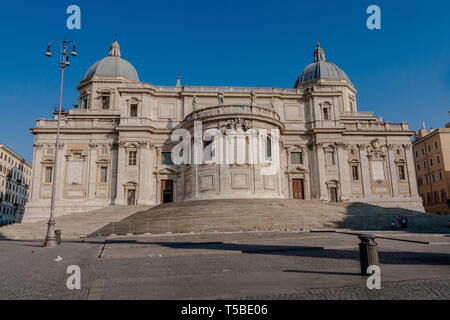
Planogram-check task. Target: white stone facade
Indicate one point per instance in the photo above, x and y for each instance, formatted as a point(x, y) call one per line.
point(115, 146)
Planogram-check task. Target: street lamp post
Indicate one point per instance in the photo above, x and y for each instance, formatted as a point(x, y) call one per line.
point(50, 239)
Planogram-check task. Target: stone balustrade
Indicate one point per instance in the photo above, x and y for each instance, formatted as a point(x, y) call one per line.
point(232, 110)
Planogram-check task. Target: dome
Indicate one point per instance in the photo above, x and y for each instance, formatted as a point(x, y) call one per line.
point(113, 66)
point(321, 69)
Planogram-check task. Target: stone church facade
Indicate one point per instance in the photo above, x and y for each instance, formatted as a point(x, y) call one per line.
point(116, 145)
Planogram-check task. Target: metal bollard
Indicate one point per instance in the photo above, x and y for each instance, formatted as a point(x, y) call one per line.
point(58, 236)
point(368, 252)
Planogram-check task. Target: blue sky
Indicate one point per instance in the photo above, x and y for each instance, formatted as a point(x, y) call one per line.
point(401, 72)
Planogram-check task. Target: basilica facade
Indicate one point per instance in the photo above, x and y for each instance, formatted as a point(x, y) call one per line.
point(116, 145)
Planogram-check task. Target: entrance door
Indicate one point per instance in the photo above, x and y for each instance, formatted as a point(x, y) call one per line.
point(131, 197)
point(297, 189)
point(333, 194)
point(166, 191)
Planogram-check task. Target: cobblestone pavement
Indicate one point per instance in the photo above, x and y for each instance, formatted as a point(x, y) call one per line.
point(227, 266)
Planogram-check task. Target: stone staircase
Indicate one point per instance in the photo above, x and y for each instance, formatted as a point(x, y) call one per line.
point(73, 225)
point(232, 215)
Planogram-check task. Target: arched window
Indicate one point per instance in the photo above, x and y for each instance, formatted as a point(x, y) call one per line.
point(268, 149)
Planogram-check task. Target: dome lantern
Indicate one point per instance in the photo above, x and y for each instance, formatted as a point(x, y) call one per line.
point(321, 69)
point(113, 66)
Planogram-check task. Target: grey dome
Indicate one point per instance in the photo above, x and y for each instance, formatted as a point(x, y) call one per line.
point(113, 66)
point(321, 69)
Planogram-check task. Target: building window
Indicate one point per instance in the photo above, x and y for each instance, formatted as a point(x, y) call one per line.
point(438, 159)
point(103, 174)
point(417, 154)
point(418, 167)
point(84, 103)
point(429, 148)
point(48, 174)
point(132, 158)
point(50, 151)
point(440, 175)
point(423, 152)
point(401, 172)
point(443, 195)
point(104, 151)
point(105, 102)
point(296, 158)
point(166, 158)
point(436, 197)
point(435, 145)
point(431, 162)
point(433, 177)
point(429, 199)
point(268, 149)
point(133, 110)
point(326, 114)
point(426, 179)
point(355, 173)
point(424, 164)
point(419, 181)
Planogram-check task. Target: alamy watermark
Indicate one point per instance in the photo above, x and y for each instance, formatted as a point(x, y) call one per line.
point(239, 144)
point(374, 20)
point(74, 20)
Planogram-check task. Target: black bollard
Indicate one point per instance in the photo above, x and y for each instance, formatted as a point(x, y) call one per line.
point(368, 253)
point(58, 236)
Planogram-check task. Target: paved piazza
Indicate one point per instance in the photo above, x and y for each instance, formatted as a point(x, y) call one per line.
point(227, 266)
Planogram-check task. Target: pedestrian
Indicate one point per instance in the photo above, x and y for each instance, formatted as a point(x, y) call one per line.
point(403, 222)
point(393, 224)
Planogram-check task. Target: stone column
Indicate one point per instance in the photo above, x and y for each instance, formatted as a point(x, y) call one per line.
point(60, 173)
point(411, 170)
point(344, 173)
point(35, 184)
point(114, 173)
point(392, 171)
point(91, 171)
point(121, 158)
point(365, 170)
point(321, 181)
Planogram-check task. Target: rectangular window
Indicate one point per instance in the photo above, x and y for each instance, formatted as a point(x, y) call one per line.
point(424, 164)
point(440, 175)
point(419, 181)
point(433, 177)
point(166, 158)
point(103, 174)
point(431, 162)
point(48, 174)
point(418, 167)
point(132, 158)
point(438, 159)
point(435, 145)
point(401, 173)
point(133, 110)
point(326, 114)
point(417, 154)
point(355, 173)
point(104, 151)
point(429, 148)
point(429, 199)
point(84, 103)
point(296, 158)
point(105, 102)
point(436, 197)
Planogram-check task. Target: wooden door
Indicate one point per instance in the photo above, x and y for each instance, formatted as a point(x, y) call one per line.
point(333, 194)
point(297, 189)
point(131, 197)
point(166, 191)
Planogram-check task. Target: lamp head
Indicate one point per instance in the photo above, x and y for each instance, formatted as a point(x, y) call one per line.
point(48, 53)
point(73, 53)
